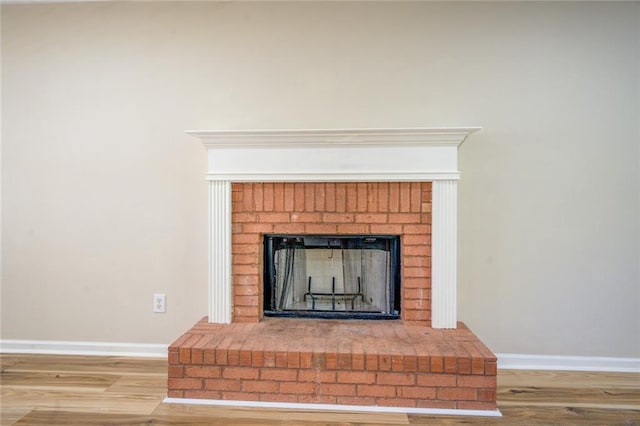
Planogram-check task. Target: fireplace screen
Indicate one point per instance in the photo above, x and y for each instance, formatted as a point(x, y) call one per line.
point(332, 276)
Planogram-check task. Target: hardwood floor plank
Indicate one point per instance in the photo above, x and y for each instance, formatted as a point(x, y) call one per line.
point(69, 381)
point(85, 364)
point(627, 397)
point(40, 417)
point(532, 416)
point(342, 417)
point(568, 379)
point(9, 416)
point(56, 390)
point(78, 401)
point(145, 385)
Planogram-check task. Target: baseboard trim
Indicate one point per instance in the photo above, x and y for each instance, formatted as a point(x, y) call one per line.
point(152, 350)
point(567, 363)
point(335, 407)
point(50, 347)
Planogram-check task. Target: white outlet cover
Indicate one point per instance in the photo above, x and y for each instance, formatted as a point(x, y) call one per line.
point(159, 303)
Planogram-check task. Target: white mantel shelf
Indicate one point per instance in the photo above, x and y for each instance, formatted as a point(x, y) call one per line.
point(446, 136)
point(338, 155)
point(406, 154)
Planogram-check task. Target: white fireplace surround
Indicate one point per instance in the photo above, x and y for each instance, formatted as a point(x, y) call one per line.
point(349, 155)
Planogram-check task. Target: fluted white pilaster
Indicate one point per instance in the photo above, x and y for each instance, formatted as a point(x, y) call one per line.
point(220, 289)
point(444, 254)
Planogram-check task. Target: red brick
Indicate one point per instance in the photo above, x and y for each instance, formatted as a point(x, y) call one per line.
point(361, 189)
point(174, 357)
point(259, 386)
point(477, 366)
point(330, 197)
point(394, 197)
point(486, 395)
point(309, 197)
point(241, 396)
point(386, 229)
point(267, 198)
point(299, 388)
point(208, 372)
point(185, 383)
point(353, 228)
point(437, 364)
point(356, 400)
point(383, 196)
point(360, 377)
point(288, 228)
point(277, 397)
point(338, 217)
point(279, 374)
point(306, 217)
point(403, 379)
point(490, 368)
point(240, 373)
point(278, 196)
point(456, 394)
point(319, 228)
point(317, 376)
point(317, 399)
point(243, 280)
point(243, 289)
point(173, 393)
point(222, 385)
point(372, 197)
point(288, 199)
point(421, 229)
point(404, 218)
point(245, 300)
point(337, 389)
point(298, 189)
point(396, 402)
point(376, 390)
point(176, 371)
point(274, 217)
point(258, 196)
point(245, 239)
point(417, 261)
point(371, 218)
point(413, 272)
point(245, 259)
point(200, 394)
point(341, 197)
point(419, 392)
point(320, 197)
point(244, 217)
point(477, 381)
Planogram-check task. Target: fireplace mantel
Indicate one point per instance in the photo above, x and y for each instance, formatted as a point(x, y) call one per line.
point(418, 154)
point(349, 155)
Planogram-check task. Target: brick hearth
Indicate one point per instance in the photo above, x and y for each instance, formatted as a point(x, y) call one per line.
point(351, 362)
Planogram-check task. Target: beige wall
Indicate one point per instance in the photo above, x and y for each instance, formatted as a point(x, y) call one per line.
point(103, 196)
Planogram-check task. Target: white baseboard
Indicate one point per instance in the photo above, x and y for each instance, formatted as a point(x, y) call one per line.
point(152, 350)
point(334, 407)
point(48, 347)
point(567, 363)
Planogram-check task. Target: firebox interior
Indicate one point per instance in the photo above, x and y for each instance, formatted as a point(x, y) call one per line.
point(331, 276)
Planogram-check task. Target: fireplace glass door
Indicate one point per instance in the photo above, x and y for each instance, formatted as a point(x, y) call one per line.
point(332, 276)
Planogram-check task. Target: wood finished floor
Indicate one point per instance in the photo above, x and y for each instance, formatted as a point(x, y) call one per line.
point(74, 390)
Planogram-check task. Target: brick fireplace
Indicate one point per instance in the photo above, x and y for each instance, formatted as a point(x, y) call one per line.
point(373, 208)
point(397, 182)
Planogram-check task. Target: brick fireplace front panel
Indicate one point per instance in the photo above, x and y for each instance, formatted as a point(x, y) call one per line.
point(376, 208)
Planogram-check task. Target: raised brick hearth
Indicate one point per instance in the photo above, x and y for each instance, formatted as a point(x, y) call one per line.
point(355, 362)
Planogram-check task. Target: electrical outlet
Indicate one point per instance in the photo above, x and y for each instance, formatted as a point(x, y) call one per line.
point(159, 303)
